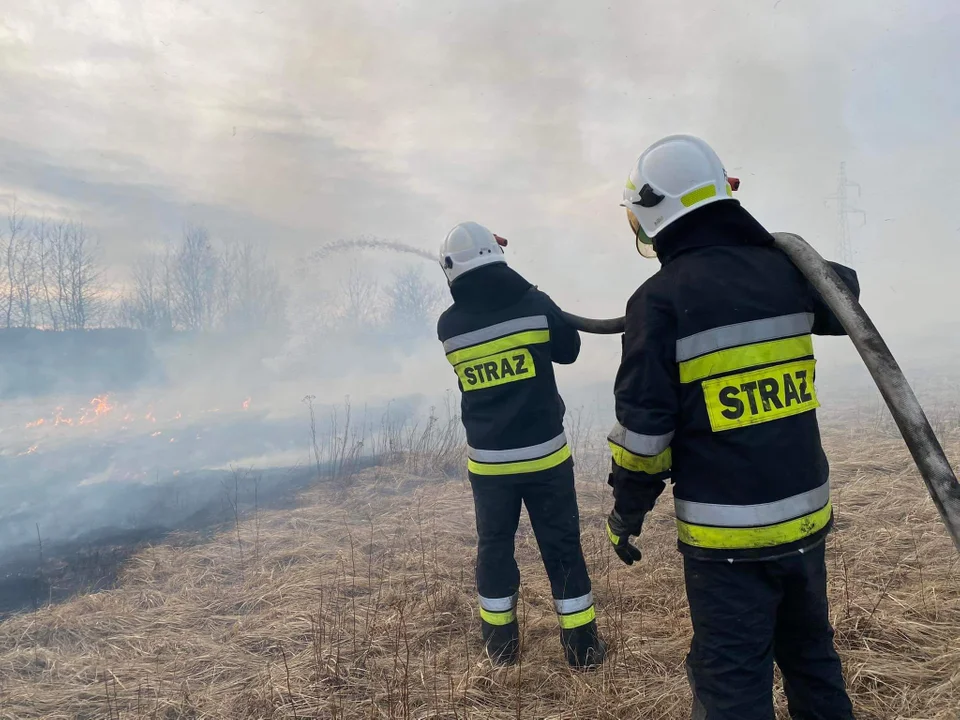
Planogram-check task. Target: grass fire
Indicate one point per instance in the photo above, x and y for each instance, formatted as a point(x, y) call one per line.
point(355, 599)
point(452, 361)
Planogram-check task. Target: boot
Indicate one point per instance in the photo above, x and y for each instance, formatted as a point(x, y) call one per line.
point(502, 642)
point(583, 647)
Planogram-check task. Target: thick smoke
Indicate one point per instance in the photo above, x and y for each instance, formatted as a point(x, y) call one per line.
point(179, 222)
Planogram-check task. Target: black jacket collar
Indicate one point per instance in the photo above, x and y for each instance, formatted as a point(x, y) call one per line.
point(491, 287)
point(720, 223)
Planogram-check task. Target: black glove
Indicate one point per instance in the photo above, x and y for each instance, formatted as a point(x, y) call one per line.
point(619, 531)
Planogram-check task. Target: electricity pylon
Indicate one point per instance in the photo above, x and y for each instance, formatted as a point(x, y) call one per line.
point(845, 251)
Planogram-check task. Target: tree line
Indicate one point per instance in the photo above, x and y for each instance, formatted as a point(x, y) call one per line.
point(52, 277)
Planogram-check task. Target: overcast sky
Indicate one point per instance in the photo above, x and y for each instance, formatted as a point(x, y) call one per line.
point(304, 121)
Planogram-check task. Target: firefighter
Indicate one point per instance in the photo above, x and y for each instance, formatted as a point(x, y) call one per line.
point(502, 336)
point(715, 391)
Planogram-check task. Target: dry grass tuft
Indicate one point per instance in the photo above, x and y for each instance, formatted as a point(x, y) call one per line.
point(361, 604)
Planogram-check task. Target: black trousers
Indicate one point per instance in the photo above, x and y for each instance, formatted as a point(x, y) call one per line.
point(748, 615)
point(551, 502)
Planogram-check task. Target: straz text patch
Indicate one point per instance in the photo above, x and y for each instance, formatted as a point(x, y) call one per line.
point(493, 370)
point(759, 396)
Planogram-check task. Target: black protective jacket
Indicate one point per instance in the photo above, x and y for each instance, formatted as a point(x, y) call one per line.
point(502, 336)
point(715, 391)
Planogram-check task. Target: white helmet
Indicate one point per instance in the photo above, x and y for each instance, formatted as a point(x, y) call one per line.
point(469, 246)
point(672, 178)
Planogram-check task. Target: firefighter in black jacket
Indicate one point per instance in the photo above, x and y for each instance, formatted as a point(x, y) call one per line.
point(715, 391)
point(502, 336)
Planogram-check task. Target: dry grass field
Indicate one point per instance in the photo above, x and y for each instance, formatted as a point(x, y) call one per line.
point(360, 603)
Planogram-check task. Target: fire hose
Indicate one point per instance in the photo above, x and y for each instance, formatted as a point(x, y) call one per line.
point(938, 476)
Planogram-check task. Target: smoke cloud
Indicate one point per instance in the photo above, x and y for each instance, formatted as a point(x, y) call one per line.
point(337, 143)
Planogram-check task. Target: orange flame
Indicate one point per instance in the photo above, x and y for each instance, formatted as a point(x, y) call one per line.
point(246, 404)
point(60, 420)
point(36, 423)
point(29, 451)
point(158, 432)
point(100, 405)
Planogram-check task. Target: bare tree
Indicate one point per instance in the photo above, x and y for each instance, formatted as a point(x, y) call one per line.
point(51, 274)
point(72, 257)
point(413, 301)
point(252, 297)
point(16, 252)
point(47, 290)
point(195, 289)
point(361, 304)
point(149, 304)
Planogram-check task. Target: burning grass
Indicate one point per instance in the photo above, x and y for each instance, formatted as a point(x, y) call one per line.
point(360, 603)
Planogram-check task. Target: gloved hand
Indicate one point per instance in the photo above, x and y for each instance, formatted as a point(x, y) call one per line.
point(619, 531)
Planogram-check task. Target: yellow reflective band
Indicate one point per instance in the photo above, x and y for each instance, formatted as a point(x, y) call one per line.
point(698, 195)
point(641, 463)
point(615, 539)
point(729, 190)
point(746, 356)
point(498, 618)
point(508, 342)
point(630, 185)
point(499, 369)
point(759, 396)
point(575, 620)
point(523, 466)
point(716, 538)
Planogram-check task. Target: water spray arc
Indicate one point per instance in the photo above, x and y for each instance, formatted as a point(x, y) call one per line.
point(365, 243)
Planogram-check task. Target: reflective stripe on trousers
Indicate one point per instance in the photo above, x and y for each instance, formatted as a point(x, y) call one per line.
point(575, 612)
point(498, 611)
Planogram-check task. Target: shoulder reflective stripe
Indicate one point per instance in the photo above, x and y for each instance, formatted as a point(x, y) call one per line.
point(525, 466)
point(742, 516)
point(569, 622)
point(531, 452)
point(535, 322)
point(716, 538)
point(499, 618)
point(498, 604)
point(507, 342)
point(639, 444)
point(744, 333)
point(747, 356)
point(640, 463)
point(572, 605)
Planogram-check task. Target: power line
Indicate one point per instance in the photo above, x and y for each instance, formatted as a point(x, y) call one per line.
point(845, 250)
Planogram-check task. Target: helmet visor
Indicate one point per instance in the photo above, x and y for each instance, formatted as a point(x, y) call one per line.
point(644, 243)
